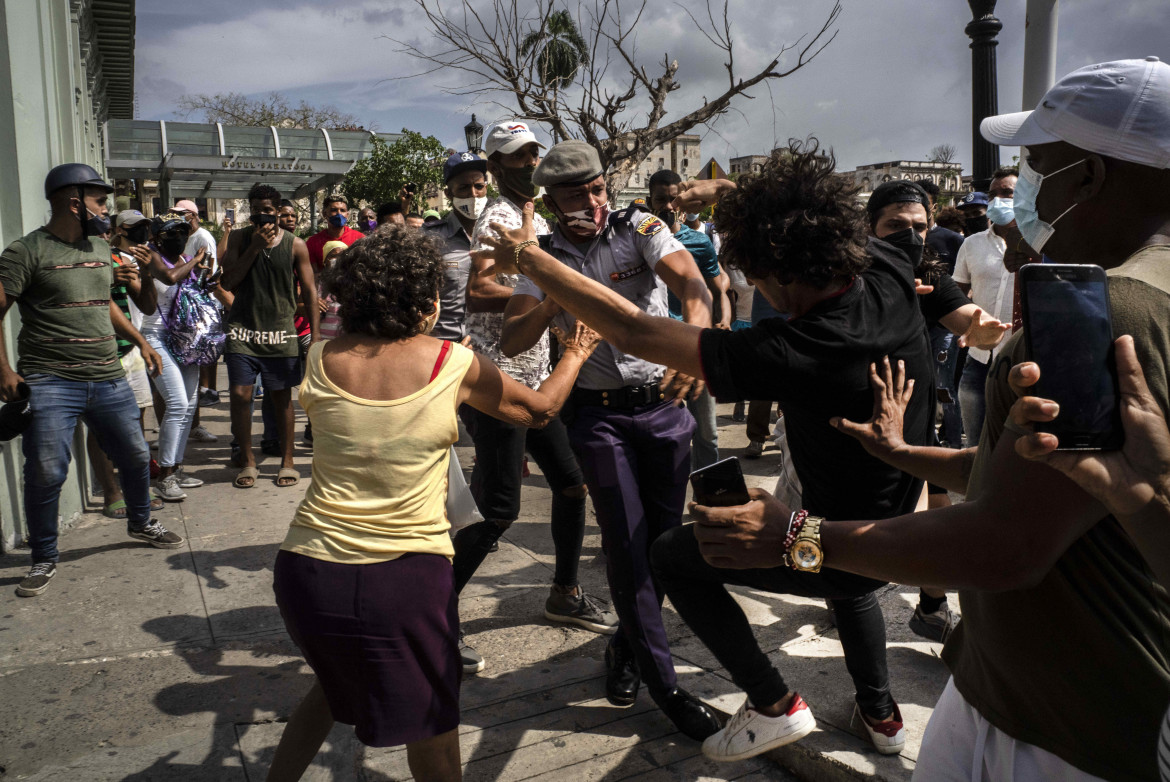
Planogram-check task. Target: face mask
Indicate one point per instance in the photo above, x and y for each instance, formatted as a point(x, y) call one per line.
point(469, 208)
point(259, 220)
point(1035, 231)
point(692, 218)
point(172, 245)
point(139, 234)
point(1000, 211)
point(372, 224)
point(908, 241)
point(96, 225)
point(668, 216)
point(338, 220)
point(973, 225)
point(587, 221)
point(518, 180)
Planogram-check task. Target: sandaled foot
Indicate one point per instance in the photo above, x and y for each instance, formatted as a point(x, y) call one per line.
point(115, 510)
point(288, 476)
point(246, 478)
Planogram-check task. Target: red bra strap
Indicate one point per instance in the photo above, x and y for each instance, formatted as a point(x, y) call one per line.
point(439, 361)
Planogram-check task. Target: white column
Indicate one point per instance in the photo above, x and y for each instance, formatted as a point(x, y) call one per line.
point(1039, 50)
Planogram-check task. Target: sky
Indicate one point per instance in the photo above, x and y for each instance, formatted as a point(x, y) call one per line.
point(894, 83)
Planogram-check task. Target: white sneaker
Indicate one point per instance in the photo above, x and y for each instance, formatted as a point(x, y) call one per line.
point(888, 737)
point(749, 733)
point(168, 489)
point(200, 435)
point(188, 481)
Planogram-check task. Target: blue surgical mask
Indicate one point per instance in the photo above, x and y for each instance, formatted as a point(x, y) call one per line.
point(338, 220)
point(1035, 231)
point(1000, 211)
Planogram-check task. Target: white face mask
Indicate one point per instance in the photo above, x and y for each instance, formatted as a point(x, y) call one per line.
point(469, 208)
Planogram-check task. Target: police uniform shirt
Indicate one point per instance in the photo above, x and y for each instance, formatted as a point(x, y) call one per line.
point(622, 258)
point(455, 250)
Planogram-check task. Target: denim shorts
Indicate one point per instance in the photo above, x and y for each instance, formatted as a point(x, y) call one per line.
point(276, 372)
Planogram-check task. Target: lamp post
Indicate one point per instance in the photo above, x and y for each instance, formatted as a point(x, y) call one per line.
point(982, 30)
point(473, 133)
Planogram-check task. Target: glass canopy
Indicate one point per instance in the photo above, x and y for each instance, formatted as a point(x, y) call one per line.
point(197, 160)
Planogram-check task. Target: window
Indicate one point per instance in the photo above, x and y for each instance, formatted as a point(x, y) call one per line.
point(685, 161)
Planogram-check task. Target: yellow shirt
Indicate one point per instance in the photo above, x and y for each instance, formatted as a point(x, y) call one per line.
point(379, 485)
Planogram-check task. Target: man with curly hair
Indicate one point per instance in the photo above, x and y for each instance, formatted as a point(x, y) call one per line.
point(798, 232)
point(261, 267)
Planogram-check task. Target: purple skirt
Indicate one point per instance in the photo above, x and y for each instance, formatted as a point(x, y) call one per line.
point(383, 640)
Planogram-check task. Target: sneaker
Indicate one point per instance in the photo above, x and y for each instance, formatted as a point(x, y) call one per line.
point(581, 610)
point(936, 626)
point(888, 737)
point(37, 580)
point(749, 733)
point(472, 660)
point(754, 450)
point(200, 435)
point(269, 448)
point(258, 393)
point(208, 398)
point(188, 481)
point(157, 535)
point(168, 488)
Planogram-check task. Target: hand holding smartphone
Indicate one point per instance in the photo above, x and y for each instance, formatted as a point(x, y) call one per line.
point(720, 484)
point(1068, 330)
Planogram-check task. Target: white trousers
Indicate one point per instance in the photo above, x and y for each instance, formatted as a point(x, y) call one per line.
point(959, 745)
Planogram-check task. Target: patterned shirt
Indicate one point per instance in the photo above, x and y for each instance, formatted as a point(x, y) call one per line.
point(532, 366)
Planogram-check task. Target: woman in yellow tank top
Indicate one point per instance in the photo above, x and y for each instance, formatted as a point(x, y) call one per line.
point(363, 579)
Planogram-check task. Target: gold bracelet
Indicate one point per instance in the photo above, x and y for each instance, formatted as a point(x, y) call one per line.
point(519, 249)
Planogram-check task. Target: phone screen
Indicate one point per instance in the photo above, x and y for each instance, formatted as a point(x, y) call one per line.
point(231, 214)
point(720, 484)
point(1070, 335)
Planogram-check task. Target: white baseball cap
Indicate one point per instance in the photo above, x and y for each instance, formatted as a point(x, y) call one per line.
point(508, 137)
point(1119, 109)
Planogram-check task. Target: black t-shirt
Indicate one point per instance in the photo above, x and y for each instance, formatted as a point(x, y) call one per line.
point(817, 366)
point(946, 243)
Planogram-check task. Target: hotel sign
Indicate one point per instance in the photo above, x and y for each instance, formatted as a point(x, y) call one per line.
point(264, 164)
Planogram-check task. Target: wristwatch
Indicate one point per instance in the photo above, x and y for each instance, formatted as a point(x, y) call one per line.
point(806, 553)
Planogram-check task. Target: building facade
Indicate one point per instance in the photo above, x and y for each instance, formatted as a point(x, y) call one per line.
point(948, 176)
point(65, 67)
point(681, 155)
point(747, 164)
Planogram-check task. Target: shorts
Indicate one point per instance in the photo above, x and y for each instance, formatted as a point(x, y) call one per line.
point(136, 376)
point(382, 638)
point(276, 372)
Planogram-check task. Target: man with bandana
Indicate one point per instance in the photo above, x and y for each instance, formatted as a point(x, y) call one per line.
point(512, 155)
point(631, 435)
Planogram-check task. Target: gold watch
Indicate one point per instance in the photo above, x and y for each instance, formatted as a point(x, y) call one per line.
point(806, 552)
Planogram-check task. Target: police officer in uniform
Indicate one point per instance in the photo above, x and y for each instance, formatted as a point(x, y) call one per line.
point(626, 420)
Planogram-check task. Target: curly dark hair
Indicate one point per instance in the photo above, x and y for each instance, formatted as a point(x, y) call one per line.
point(796, 220)
point(263, 192)
point(950, 218)
point(386, 283)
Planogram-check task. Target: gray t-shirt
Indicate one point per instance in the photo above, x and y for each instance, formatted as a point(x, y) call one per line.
point(455, 249)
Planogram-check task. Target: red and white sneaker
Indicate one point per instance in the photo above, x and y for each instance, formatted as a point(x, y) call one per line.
point(749, 733)
point(888, 737)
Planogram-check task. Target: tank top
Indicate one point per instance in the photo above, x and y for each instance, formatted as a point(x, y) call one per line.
point(379, 485)
point(260, 322)
point(165, 295)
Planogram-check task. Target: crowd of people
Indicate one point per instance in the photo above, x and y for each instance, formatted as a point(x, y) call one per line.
point(597, 342)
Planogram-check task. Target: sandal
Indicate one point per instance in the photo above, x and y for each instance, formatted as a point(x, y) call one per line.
point(117, 509)
point(287, 474)
point(246, 478)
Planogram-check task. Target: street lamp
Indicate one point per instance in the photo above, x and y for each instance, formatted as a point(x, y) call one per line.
point(473, 133)
point(984, 94)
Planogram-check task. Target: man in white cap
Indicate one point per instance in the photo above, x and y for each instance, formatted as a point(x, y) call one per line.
point(1060, 666)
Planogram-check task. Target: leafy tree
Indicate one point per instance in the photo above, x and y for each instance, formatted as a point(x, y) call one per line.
point(233, 108)
point(379, 179)
point(529, 59)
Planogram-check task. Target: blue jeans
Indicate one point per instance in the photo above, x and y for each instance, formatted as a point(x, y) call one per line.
point(971, 401)
point(179, 387)
point(110, 411)
point(946, 353)
point(705, 443)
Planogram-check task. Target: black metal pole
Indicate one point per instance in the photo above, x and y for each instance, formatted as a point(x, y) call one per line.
point(984, 93)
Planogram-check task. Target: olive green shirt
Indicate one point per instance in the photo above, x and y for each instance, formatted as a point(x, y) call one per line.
point(63, 292)
point(260, 322)
point(1078, 665)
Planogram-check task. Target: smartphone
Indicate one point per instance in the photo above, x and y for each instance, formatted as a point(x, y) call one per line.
point(230, 214)
point(410, 187)
point(720, 484)
point(1068, 331)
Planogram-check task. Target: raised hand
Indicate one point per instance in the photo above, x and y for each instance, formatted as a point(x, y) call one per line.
point(583, 339)
point(983, 332)
point(881, 435)
point(696, 194)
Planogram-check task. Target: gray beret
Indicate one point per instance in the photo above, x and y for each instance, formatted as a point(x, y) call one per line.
point(570, 162)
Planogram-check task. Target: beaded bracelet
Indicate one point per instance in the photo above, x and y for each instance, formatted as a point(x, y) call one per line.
point(795, 523)
point(519, 249)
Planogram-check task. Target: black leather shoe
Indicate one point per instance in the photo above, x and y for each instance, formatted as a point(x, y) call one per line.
point(689, 714)
point(622, 679)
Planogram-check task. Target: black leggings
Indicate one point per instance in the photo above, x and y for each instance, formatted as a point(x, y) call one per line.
point(496, 483)
point(697, 592)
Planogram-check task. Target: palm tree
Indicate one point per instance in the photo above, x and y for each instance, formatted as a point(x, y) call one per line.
point(562, 50)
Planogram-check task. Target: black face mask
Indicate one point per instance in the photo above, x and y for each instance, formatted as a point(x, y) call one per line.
point(973, 225)
point(262, 219)
point(139, 234)
point(908, 241)
point(172, 246)
point(669, 217)
point(518, 180)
